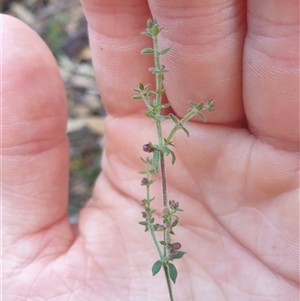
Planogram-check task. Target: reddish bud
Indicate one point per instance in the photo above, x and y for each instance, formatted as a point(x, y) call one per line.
point(176, 245)
point(144, 181)
point(147, 148)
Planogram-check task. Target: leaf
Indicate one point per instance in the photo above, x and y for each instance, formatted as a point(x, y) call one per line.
point(166, 105)
point(168, 142)
point(143, 223)
point(150, 114)
point(172, 271)
point(160, 92)
point(147, 32)
point(174, 118)
point(151, 23)
point(155, 160)
point(155, 30)
point(164, 51)
point(147, 51)
point(141, 87)
point(202, 116)
point(136, 97)
point(173, 157)
point(162, 242)
point(200, 106)
point(210, 105)
point(156, 267)
point(178, 255)
point(175, 223)
point(193, 104)
point(186, 131)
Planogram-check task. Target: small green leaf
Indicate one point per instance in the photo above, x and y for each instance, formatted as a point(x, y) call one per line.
point(147, 51)
point(174, 118)
point(141, 87)
point(164, 51)
point(144, 160)
point(162, 91)
point(210, 105)
point(155, 160)
point(173, 157)
point(193, 104)
point(156, 267)
point(150, 114)
point(162, 242)
point(202, 116)
point(200, 106)
point(186, 131)
point(175, 223)
point(165, 105)
point(150, 23)
point(136, 97)
point(155, 30)
point(178, 255)
point(172, 271)
point(168, 142)
point(147, 32)
point(143, 223)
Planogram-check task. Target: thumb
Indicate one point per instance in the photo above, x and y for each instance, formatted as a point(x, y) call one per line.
point(34, 148)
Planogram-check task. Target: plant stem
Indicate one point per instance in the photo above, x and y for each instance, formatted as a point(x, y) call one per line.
point(151, 229)
point(186, 118)
point(158, 82)
point(158, 76)
point(167, 274)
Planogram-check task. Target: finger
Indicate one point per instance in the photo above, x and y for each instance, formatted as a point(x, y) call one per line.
point(115, 37)
point(34, 150)
point(205, 59)
point(271, 66)
point(209, 66)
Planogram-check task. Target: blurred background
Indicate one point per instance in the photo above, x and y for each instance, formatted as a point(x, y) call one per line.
point(61, 24)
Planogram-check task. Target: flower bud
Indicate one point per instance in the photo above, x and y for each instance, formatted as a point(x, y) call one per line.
point(173, 251)
point(159, 227)
point(144, 181)
point(176, 245)
point(147, 148)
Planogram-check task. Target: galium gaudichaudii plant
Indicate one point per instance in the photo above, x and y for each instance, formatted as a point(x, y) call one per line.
point(168, 249)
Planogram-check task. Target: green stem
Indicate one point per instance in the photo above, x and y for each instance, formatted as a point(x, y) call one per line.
point(157, 102)
point(186, 118)
point(158, 76)
point(167, 274)
point(151, 228)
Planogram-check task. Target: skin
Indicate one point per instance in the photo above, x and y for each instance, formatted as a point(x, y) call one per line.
point(236, 177)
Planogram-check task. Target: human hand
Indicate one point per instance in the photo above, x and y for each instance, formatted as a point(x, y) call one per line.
point(236, 177)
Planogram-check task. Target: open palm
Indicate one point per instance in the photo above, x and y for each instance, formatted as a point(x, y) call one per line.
point(236, 177)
